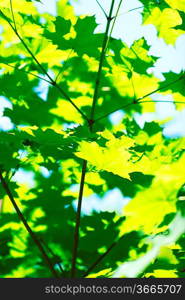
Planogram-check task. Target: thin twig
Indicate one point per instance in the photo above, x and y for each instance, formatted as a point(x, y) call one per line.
point(103, 52)
point(52, 82)
point(24, 71)
point(140, 102)
point(109, 113)
point(26, 225)
point(130, 10)
point(56, 86)
point(133, 87)
point(69, 99)
point(12, 12)
point(101, 257)
point(64, 65)
point(162, 101)
point(139, 99)
point(115, 18)
point(27, 48)
point(162, 88)
point(131, 79)
point(78, 217)
point(103, 10)
point(53, 254)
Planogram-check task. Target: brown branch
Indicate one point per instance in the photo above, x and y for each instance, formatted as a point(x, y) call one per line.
point(26, 225)
point(53, 255)
point(78, 216)
point(101, 257)
point(91, 121)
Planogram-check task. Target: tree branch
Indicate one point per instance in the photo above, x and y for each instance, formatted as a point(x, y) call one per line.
point(101, 257)
point(26, 225)
point(115, 18)
point(11, 8)
point(78, 216)
point(53, 255)
point(130, 10)
point(102, 56)
point(162, 87)
point(64, 66)
point(103, 10)
point(52, 82)
point(24, 71)
point(162, 101)
point(91, 121)
point(138, 100)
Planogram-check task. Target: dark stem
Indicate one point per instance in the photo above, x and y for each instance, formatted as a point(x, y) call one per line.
point(53, 255)
point(52, 82)
point(103, 10)
point(64, 66)
point(138, 100)
point(162, 88)
point(69, 99)
point(29, 230)
point(90, 122)
point(115, 18)
point(103, 52)
point(141, 102)
point(24, 71)
point(162, 101)
point(130, 10)
point(78, 217)
point(101, 257)
point(11, 8)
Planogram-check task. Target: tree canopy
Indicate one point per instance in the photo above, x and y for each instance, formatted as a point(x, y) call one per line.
point(63, 80)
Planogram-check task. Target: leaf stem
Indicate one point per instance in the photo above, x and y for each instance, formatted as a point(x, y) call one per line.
point(26, 225)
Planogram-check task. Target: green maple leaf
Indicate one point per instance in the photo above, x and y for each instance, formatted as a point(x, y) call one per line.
point(138, 56)
point(178, 86)
point(62, 27)
point(84, 42)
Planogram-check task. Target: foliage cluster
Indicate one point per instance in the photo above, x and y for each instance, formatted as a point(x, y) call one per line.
point(67, 140)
